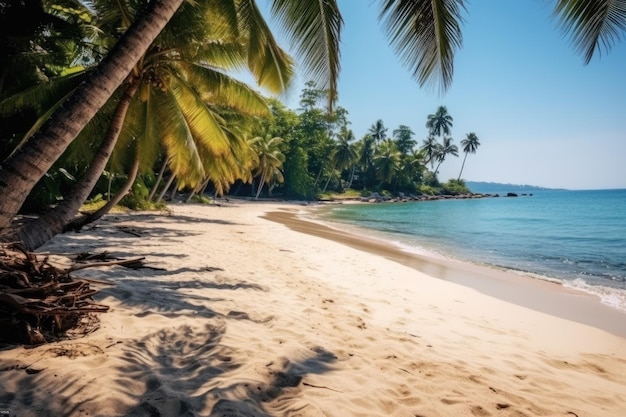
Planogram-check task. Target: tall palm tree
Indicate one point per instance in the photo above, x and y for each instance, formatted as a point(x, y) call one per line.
point(404, 139)
point(344, 155)
point(429, 147)
point(365, 152)
point(439, 123)
point(387, 161)
point(445, 149)
point(270, 159)
point(470, 144)
point(378, 131)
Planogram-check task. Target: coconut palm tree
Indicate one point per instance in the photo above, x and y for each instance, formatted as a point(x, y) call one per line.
point(387, 161)
point(343, 155)
point(404, 139)
point(470, 144)
point(378, 131)
point(270, 159)
point(429, 148)
point(443, 150)
point(439, 123)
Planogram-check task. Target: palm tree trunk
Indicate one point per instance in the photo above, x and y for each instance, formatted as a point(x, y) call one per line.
point(261, 183)
point(158, 181)
point(165, 188)
point(351, 176)
point(92, 217)
point(23, 169)
point(36, 233)
point(462, 166)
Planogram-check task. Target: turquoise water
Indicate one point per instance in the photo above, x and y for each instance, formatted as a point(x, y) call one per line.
point(576, 237)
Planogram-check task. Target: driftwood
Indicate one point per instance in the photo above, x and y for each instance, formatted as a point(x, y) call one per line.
point(40, 302)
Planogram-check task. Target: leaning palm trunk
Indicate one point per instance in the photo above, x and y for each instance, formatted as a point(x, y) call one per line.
point(462, 166)
point(158, 181)
point(92, 217)
point(25, 167)
point(165, 188)
point(351, 176)
point(36, 233)
point(261, 183)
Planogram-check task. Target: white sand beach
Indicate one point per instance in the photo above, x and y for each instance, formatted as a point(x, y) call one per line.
point(245, 315)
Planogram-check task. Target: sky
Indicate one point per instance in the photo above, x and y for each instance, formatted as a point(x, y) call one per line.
point(543, 117)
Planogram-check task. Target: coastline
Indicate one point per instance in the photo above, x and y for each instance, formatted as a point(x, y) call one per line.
point(542, 295)
point(240, 315)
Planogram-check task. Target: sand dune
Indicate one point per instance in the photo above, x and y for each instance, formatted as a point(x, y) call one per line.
point(243, 316)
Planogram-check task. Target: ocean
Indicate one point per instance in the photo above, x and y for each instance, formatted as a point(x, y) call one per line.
point(575, 237)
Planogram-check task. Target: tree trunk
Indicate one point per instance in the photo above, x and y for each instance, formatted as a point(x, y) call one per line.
point(462, 166)
point(351, 176)
point(165, 188)
point(23, 169)
point(39, 231)
point(158, 180)
point(261, 183)
point(92, 217)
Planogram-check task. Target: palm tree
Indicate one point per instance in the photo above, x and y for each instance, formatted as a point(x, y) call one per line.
point(443, 150)
point(270, 159)
point(378, 131)
point(470, 144)
point(440, 122)
point(387, 161)
point(365, 152)
point(404, 139)
point(344, 155)
point(429, 147)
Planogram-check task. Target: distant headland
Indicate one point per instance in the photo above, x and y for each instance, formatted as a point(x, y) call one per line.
point(481, 187)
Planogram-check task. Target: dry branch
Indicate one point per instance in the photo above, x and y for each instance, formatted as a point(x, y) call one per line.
point(40, 302)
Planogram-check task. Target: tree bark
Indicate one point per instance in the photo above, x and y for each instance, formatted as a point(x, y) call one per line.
point(462, 166)
point(92, 217)
point(38, 232)
point(20, 172)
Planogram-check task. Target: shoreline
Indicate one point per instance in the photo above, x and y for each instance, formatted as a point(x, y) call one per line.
point(540, 295)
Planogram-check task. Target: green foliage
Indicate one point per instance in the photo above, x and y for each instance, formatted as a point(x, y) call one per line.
point(201, 199)
point(455, 187)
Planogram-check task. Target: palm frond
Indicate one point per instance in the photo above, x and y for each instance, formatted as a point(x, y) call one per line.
point(221, 89)
point(271, 66)
point(42, 95)
point(314, 27)
point(183, 157)
point(592, 24)
point(425, 34)
point(205, 125)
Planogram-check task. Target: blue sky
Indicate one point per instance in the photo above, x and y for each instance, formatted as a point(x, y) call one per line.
point(542, 116)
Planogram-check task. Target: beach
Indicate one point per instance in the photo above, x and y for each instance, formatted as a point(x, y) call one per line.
point(250, 309)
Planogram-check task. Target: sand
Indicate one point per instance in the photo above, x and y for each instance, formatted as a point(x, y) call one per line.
point(241, 314)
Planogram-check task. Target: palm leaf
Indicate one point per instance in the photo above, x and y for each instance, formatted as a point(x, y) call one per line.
point(205, 125)
point(272, 67)
point(218, 88)
point(592, 24)
point(425, 34)
point(183, 158)
point(314, 27)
